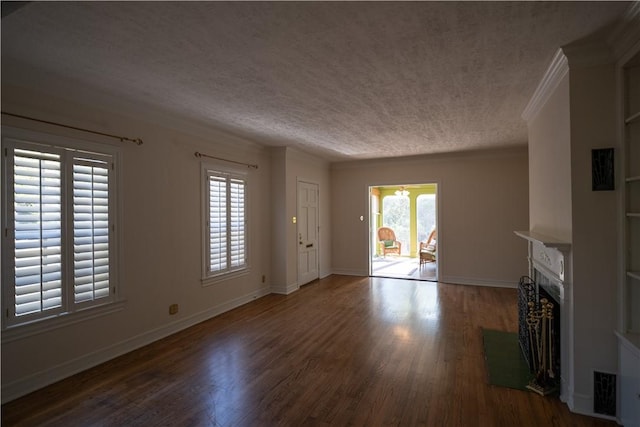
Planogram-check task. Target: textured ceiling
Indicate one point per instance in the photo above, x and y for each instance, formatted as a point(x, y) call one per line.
point(343, 80)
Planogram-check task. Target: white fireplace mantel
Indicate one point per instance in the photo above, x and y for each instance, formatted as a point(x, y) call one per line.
point(543, 240)
point(548, 255)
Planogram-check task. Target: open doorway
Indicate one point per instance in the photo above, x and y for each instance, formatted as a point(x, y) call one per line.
point(403, 238)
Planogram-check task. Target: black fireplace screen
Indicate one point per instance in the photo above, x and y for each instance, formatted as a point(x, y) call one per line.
point(526, 294)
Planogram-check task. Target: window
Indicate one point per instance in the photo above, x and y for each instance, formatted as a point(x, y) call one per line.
point(59, 240)
point(395, 214)
point(426, 215)
point(225, 243)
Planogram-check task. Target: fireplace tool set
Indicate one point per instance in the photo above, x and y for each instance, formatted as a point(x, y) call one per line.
point(540, 328)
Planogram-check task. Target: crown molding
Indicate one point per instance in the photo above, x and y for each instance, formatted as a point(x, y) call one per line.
point(588, 53)
point(604, 47)
point(626, 34)
point(36, 84)
point(556, 71)
point(422, 159)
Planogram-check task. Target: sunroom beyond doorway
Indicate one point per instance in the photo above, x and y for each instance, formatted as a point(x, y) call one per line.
point(403, 219)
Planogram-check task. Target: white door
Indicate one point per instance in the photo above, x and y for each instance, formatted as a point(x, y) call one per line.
point(307, 232)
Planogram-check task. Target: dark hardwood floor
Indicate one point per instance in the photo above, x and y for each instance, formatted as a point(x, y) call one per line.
point(341, 351)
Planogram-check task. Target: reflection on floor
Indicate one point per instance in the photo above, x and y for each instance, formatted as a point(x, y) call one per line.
point(403, 268)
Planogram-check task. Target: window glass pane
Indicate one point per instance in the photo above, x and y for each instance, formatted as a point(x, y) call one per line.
point(426, 213)
point(395, 215)
point(38, 231)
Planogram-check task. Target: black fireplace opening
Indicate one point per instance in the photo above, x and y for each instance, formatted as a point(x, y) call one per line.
point(539, 330)
point(554, 338)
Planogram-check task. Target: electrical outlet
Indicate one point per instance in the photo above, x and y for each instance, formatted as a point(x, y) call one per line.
point(173, 308)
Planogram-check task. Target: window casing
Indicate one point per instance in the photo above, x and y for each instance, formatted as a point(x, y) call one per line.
point(59, 219)
point(225, 223)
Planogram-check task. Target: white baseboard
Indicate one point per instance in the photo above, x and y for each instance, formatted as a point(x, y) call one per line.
point(49, 376)
point(494, 283)
point(456, 280)
point(348, 272)
point(292, 287)
point(284, 289)
point(324, 275)
point(583, 405)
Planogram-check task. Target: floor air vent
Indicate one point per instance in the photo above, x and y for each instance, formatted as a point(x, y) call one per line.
point(604, 393)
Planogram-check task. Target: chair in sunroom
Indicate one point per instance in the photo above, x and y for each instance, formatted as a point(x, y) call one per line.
point(388, 244)
point(427, 249)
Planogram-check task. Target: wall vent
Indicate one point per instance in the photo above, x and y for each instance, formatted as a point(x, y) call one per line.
point(604, 393)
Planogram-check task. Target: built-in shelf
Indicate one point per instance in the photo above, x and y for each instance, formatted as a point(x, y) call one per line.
point(547, 241)
point(628, 331)
point(632, 118)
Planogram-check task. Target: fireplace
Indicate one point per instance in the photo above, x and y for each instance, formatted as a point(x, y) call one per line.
point(547, 290)
point(542, 313)
point(539, 331)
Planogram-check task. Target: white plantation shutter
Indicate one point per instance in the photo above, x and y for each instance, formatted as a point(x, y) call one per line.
point(226, 223)
point(90, 229)
point(37, 210)
point(217, 224)
point(58, 244)
point(236, 223)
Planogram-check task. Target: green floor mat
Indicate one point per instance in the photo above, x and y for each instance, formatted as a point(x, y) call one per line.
point(506, 365)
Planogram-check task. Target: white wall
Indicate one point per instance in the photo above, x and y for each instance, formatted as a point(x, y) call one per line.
point(305, 167)
point(293, 165)
point(482, 199)
point(550, 167)
point(594, 237)
point(281, 230)
point(161, 247)
point(578, 116)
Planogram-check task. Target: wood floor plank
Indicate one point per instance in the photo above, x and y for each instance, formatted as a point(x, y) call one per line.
point(340, 351)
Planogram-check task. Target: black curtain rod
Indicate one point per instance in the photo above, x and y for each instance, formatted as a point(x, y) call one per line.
point(249, 165)
point(137, 141)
